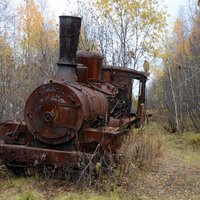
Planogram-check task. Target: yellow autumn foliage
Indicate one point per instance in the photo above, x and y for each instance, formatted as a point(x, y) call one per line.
point(145, 19)
point(6, 53)
point(182, 45)
point(30, 23)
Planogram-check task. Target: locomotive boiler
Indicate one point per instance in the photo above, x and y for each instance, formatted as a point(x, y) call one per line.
point(87, 106)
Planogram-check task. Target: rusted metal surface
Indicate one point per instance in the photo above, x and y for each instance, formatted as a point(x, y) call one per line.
point(86, 107)
point(107, 75)
point(55, 112)
point(109, 138)
point(12, 126)
point(131, 72)
point(70, 27)
point(93, 61)
point(38, 156)
point(141, 101)
point(14, 132)
point(61, 106)
point(69, 37)
point(82, 73)
point(122, 78)
point(124, 122)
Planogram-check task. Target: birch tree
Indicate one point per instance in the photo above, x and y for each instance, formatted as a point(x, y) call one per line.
point(136, 26)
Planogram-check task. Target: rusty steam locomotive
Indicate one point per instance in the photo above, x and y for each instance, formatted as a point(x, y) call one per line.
point(87, 106)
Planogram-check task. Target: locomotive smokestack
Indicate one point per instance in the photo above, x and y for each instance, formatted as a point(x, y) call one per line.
point(69, 37)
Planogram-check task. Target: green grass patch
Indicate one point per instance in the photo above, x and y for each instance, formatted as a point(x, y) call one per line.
point(27, 196)
point(90, 195)
point(185, 146)
point(194, 140)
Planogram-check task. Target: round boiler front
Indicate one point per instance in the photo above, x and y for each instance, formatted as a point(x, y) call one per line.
point(53, 113)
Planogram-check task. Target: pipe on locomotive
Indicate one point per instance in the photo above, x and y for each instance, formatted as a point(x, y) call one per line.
point(69, 37)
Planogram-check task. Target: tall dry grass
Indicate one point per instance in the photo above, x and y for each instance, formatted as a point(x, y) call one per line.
point(141, 149)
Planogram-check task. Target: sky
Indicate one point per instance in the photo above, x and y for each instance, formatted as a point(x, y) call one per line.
point(173, 6)
point(59, 7)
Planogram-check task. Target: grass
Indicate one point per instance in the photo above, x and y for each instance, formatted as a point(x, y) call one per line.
point(27, 196)
point(184, 145)
point(194, 140)
point(143, 146)
point(133, 178)
point(90, 195)
point(139, 151)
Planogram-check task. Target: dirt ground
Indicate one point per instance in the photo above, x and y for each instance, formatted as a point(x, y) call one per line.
point(177, 175)
point(174, 179)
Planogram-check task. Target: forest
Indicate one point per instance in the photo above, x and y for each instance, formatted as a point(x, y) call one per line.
point(29, 53)
point(127, 35)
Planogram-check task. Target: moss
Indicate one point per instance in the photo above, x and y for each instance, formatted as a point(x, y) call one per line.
point(90, 195)
point(27, 196)
point(185, 146)
point(194, 140)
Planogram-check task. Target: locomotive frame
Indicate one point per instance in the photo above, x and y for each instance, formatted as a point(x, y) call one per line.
point(87, 106)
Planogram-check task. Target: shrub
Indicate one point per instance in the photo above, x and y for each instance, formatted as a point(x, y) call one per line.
point(194, 140)
point(27, 196)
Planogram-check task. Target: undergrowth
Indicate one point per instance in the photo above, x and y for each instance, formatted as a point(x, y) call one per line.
point(111, 177)
point(194, 140)
point(108, 177)
point(27, 196)
point(140, 151)
point(185, 145)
